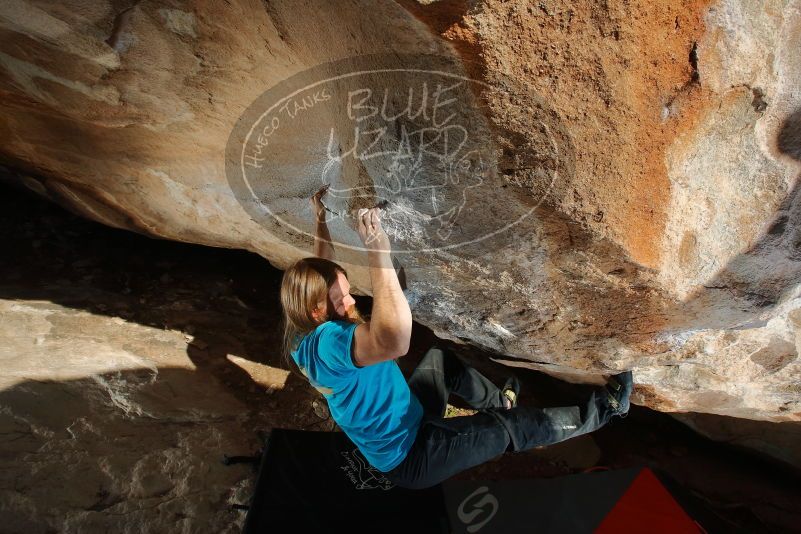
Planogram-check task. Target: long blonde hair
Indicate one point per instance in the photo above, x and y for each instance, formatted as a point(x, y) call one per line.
point(304, 285)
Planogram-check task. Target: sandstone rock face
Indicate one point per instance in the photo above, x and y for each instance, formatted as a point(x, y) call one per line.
point(112, 429)
point(667, 244)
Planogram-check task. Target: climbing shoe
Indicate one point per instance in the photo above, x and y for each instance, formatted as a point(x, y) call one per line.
point(510, 392)
point(618, 389)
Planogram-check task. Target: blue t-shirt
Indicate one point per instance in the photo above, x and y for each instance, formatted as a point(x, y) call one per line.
point(373, 405)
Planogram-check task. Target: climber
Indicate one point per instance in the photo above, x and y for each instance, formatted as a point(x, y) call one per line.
point(400, 427)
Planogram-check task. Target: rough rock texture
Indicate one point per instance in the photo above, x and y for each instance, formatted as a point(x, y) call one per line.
point(112, 429)
point(669, 248)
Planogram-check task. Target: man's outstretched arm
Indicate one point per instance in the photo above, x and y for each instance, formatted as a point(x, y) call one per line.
point(388, 333)
point(322, 241)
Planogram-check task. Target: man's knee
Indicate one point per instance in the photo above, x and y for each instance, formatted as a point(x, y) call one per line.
point(436, 352)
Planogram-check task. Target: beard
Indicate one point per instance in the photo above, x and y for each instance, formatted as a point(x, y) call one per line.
point(353, 315)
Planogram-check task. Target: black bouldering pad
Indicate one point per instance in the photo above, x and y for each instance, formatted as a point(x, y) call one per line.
point(320, 480)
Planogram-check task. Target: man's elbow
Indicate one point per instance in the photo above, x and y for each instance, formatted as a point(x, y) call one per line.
point(400, 350)
point(394, 340)
point(404, 337)
point(397, 346)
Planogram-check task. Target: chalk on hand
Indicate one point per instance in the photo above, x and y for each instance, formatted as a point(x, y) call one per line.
point(361, 212)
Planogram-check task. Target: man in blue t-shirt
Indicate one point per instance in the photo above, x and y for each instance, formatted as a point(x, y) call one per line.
point(400, 427)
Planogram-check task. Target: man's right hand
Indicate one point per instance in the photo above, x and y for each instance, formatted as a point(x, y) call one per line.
point(370, 231)
point(388, 333)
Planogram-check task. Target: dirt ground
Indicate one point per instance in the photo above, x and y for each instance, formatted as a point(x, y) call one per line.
point(230, 299)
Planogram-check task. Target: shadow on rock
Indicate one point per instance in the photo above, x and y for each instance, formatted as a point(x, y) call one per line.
point(756, 280)
point(145, 444)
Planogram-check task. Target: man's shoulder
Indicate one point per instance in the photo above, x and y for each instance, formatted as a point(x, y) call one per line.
point(332, 333)
point(335, 325)
point(333, 341)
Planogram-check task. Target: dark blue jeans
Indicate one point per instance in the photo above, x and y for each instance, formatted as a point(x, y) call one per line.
point(444, 447)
